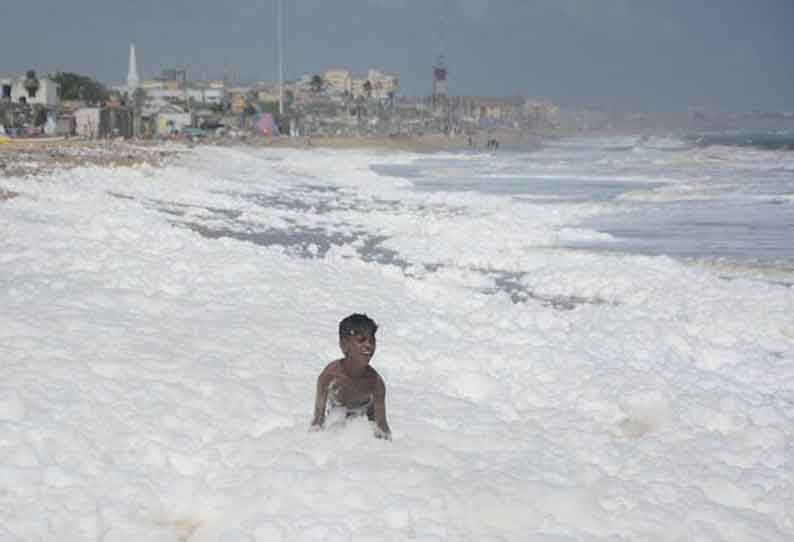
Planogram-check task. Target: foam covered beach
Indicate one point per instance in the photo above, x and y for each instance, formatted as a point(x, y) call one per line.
point(163, 327)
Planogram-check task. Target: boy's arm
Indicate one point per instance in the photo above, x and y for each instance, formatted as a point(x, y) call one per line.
point(321, 397)
point(379, 395)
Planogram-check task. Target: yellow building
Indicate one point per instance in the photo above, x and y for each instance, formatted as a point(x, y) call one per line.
point(357, 88)
point(267, 95)
point(383, 84)
point(152, 84)
point(239, 99)
point(339, 79)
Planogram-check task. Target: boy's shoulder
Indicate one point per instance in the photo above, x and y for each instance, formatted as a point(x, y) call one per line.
point(374, 372)
point(332, 369)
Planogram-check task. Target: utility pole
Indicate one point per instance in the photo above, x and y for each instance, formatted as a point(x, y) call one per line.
point(184, 87)
point(280, 38)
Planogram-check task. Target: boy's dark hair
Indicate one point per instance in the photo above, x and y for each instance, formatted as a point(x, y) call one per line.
point(357, 323)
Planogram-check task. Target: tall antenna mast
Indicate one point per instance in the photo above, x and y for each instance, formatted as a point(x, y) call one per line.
point(280, 38)
point(440, 97)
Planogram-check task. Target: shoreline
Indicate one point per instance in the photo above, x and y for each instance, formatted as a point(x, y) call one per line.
point(418, 144)
point(427, 143)
point(27, 157)
point(36, 156)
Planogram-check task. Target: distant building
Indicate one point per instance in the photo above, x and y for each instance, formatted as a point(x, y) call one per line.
point(383, 84)
point(101, 122)
point(197, 95)
point(64, 125)
point(16, 90)
point(165, 95)
point(210, 95)
point(339, 80)
point(541, 113)
point(171, 120)
point(483, 108)
point(357, 88)
point(267, 94)
point(152, 84)
point(240, 98)
point(304, 83)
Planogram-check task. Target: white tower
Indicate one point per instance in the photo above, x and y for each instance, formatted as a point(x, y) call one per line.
point(132, 75)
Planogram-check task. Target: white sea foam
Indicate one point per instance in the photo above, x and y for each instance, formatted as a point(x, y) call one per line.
point(159, 366)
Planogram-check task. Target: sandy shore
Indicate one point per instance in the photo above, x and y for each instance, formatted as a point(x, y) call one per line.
point(6, 194)
point(22, 157)
point(414, 143)
point(26, 157)
point(421, 144)
point(40, 156)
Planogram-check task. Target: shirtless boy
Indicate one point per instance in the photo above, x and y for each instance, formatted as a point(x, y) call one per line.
point(350, 383)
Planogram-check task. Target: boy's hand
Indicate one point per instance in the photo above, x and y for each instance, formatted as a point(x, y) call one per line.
point(381, 434)
point(315, 427)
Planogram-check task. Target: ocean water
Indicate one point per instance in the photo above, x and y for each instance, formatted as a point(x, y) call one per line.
point(725, 197)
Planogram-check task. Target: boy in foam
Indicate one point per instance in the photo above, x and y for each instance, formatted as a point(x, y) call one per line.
point(351, 383)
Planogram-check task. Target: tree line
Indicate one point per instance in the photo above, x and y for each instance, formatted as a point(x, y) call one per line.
point(80, 87)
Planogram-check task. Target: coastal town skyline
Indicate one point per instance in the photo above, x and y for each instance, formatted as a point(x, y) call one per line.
point(614, 53)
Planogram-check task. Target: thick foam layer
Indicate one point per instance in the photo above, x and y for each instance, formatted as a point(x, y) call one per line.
point(159, 380)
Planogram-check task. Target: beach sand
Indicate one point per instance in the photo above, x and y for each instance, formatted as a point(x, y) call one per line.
point(39, 156)
point(6, 194)
point(418, 143)
point(427, 143)
point(22, 157)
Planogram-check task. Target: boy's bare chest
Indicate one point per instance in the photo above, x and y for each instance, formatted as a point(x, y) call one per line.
point(345, 390)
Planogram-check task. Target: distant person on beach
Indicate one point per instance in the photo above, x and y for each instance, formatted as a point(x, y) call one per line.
point(350, 384)
point(492, 145)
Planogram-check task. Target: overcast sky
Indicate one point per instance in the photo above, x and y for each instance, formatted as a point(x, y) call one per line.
point(643, 54)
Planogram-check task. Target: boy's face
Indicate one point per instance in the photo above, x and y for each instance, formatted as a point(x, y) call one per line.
point(359, 347)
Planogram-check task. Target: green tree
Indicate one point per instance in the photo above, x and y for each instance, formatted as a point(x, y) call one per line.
point(269, 107)
point(80, 87)
point(317, 83)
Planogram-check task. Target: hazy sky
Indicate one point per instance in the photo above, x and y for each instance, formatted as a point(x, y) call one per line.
point(655, 54)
